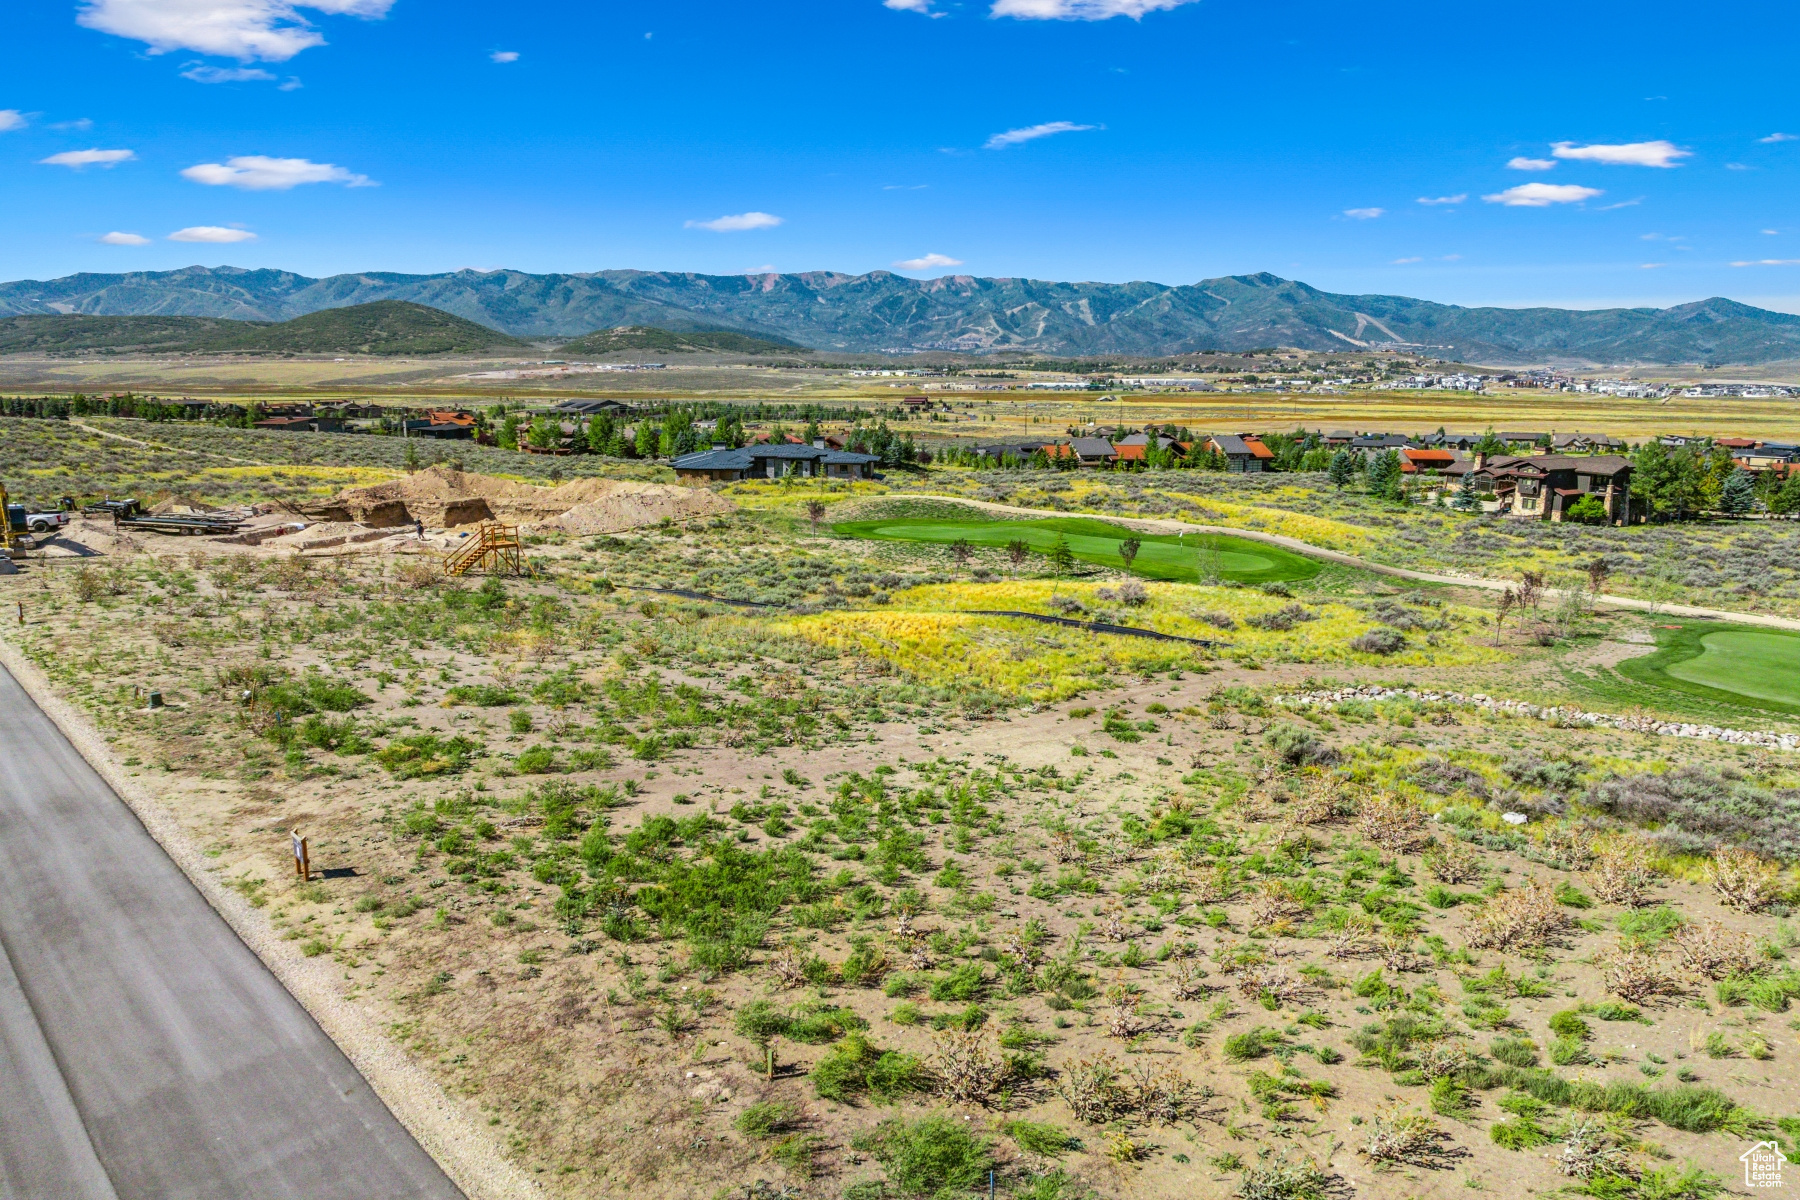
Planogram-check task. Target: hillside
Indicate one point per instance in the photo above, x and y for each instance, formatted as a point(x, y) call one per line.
point(667, 341)
point(883, 311)
point(386, 327)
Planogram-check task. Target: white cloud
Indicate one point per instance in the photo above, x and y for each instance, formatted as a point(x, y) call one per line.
point(1633, 203)
point(1773, 232)
point(1650, 266)
point(77, 159)
point(213, 234)
point(1542, 195)
point(1778, 137)
point(928, 262)
point(1400, 262)
point(1456, 199)
point(11, 118)
point(78, 125)
point(123, 239)
point(736, 222)
point(1522, 163)
point(918, 6)
point(504, 56)
point(290, 84)
point(1364, 214)
point(260, 173)
point(1080, 10)
point(1450, 258)
point(1770, 262)
point(203, 73)
point(1736, 167)
point(271, 30)
point(1032, 133)
point(1631, 154)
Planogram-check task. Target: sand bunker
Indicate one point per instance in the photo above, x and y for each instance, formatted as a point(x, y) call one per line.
point(444, 497)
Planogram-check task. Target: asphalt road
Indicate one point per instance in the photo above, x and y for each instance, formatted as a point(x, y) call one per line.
point(145, 1052)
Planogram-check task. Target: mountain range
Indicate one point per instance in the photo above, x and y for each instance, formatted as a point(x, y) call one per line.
point(881, 311)
point(384, 327)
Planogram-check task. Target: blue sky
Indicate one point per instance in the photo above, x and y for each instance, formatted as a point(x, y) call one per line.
point(1658, 146)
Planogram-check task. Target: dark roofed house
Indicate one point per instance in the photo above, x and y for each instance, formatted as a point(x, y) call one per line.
point(774, 462)
point(1524, 439)
point(1093, 451)
point(1764, 455)
point(1242, 454)
point(589, 408)
point(1452, 441)
point(1584, 443)
point(1379, 443)
point(1000, 451)
point(1544, 486)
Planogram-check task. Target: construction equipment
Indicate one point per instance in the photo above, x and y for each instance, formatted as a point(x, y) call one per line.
point(8, 540)
point(492, 549)
point(131, 514)
point(179, 523)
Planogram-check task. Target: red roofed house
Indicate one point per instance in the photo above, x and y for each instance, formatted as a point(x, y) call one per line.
point(1413, 462)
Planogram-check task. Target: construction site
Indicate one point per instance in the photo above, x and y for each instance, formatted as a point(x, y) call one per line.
point(474, 522)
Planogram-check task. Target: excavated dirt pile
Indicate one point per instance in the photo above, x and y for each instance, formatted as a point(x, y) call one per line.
point(443, 497)
point(627, 505)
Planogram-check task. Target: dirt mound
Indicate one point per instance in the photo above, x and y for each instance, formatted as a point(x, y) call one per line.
point(440, 496)
point(444, 497)
point(627, 505)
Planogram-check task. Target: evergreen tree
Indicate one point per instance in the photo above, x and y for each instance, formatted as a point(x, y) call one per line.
point(1738, 496)
point(1490, 443)
point(648, 438)
point(1466, 498)
point(1383, 475)
point(1341, 469)
point(509, 433)
point(1785, 500)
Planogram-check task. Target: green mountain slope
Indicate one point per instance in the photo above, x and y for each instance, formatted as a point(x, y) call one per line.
point(667, 341)
point(828, 310)
point(386, 327)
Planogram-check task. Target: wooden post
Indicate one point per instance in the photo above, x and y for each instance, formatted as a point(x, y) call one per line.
point(302, 860)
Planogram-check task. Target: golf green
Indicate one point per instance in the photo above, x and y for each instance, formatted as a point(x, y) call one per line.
point(1734, 663)
point(1188, 558)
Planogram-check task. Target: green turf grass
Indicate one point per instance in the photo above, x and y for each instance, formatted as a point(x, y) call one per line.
point(1737, 664)
point(1161, 556)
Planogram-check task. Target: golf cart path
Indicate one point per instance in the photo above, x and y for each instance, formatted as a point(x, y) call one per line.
point(1165, 525)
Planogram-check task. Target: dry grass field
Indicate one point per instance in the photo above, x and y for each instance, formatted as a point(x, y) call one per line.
point(859, 894)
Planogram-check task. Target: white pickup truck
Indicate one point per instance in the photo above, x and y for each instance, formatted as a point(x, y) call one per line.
point(42, 526)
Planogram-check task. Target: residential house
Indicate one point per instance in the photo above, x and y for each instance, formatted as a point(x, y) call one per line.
point(442, 430)
point(1527, 440)
point(306, 424)
point(1422, 461)
point(1585, 443)
point(589, 408)
point(1243, 453)
point(775, 462)
point(1764, 456)
point(1543, 486)
point(1093, 451)
point(1374, 445)
point(999, 452)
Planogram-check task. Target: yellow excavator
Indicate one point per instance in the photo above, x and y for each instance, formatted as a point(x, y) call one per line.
point(7, 539)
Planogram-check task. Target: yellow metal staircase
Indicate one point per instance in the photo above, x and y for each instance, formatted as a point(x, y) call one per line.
point(493, 548)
